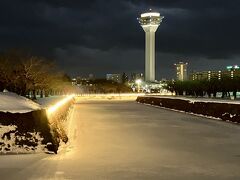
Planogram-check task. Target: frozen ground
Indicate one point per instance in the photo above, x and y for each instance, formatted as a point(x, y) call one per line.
point(11, 102)
point(127, 140)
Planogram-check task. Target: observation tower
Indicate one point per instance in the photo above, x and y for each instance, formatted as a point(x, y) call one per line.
point(150, 22)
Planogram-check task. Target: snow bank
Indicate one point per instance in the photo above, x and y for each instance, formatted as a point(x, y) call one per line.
point(30, 129)
point(24, 132)
point(10, 137)
point(26, 127)
point(223, 111)
point(11, 102)
point(194, 99)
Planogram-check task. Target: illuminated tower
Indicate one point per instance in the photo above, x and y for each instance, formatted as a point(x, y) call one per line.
point(150, 22)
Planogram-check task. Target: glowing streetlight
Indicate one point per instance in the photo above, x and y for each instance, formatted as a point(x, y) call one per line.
point(138, 82)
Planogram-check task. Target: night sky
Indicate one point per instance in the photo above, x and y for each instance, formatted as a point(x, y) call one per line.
point(104, 36)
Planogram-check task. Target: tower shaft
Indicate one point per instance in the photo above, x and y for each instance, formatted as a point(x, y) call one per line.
point(150, 53)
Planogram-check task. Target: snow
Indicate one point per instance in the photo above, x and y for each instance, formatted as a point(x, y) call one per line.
point(7, 145)
point(5, 129)
point(194, 99)
point(11, 102)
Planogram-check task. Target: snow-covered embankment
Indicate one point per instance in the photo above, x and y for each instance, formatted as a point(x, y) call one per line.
point(26, 127)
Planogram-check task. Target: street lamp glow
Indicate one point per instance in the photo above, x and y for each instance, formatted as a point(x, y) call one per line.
point(138, 81)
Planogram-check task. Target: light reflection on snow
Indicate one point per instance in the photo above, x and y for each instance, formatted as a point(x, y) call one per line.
point(59, 104)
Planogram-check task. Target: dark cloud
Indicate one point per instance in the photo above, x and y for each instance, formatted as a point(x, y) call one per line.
point(103, 36)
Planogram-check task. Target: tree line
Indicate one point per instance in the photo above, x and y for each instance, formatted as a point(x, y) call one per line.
point(29, 75)
point(210, 88)
point(103, 86)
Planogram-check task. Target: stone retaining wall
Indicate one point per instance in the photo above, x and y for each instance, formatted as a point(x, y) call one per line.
point(223, 111)
point(28, 126)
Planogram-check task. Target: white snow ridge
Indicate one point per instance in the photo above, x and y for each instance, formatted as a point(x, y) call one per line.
point(11, 102)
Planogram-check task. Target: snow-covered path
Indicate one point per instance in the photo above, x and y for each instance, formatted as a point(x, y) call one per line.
point(126, 140)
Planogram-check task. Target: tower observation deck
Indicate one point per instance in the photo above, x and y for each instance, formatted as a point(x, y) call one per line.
point(150, 22)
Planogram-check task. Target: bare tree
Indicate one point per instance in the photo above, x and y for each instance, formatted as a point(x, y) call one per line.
point(28, 75)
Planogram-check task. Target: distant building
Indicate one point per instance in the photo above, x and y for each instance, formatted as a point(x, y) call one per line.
point(233, 68)
point(206, 75)
point(114, 77)
point(181, 71)
point(231, 72)
point(234, 71)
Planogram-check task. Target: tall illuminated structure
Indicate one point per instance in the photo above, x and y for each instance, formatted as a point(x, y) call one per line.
point(181, 70)
point(150, 22)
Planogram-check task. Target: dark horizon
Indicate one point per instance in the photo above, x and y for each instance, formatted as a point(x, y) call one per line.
point(101, 37)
